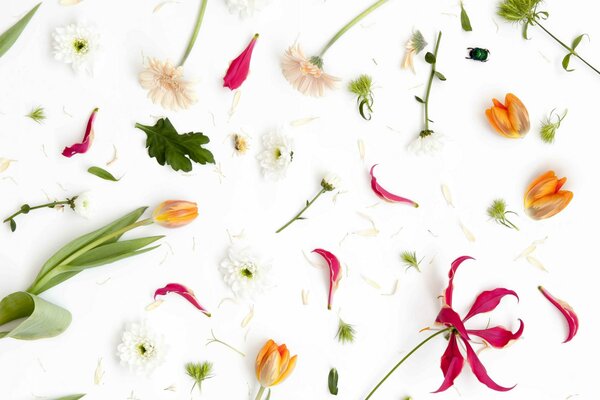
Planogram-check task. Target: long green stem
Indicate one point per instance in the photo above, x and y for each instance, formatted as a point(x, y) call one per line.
point(25, 209)
point(350, 24)
point(297, 216)
point(260, 393)
point(195, 33)
point(431, 76)
point(404, 359)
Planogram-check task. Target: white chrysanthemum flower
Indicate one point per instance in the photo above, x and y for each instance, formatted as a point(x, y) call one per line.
point(84, 205)
point(427, 144)
point(76, 44)
point(141, 349)
point(166, 85)
point(330, 182)
point(244, 273)
point(277, 155)
point(246, 8)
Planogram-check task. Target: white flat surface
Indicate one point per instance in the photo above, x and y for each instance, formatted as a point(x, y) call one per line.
point(477, 165)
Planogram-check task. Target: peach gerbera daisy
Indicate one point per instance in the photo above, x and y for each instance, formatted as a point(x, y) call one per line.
point(166, 85)
point(306, 74)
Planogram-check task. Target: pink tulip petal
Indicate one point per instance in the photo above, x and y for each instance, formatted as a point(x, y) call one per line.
point(88, 137)
point(498, 336)
point(449, 317)
point(335, 272)
point(487, 301)
point(183, 292)
point(239, 68)
point(384, 194)
point(449, 290)
point(480, 371)
point(452, 364)
point(567, 312)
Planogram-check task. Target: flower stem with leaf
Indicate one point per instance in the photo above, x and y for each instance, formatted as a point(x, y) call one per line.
point(430, 58)
point(26, 208)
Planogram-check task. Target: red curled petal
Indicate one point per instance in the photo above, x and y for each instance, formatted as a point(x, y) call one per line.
point(498, 336)
point(452, 364)
point(335, 272)
point(239, 68)
point(449, 317)
point(567, 312)
point(487, 301)
point(449, 290)
point(384, 194)
point(88, 137)
point(183, 292)
point(480, 372)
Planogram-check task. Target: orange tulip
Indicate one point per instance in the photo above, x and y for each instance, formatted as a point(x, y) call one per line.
point(175, 213)
point(544, 198)
point(511, 120)
point(273, 365)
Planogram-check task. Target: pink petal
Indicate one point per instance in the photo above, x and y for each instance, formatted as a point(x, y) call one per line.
point(498, 336)
point(487, 301)
point(449, 290)
point(567, 312)
point(451, 364)
point(480, 371)
point(335, 272)
point(449, 317)
point(88, 137)
point(183, 292)
point(239, 68)
point(384, 194)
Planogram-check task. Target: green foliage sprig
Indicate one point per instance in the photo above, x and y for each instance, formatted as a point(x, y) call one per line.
point(26, 209)
point(37, 114)
point(362, 88)
point(549, 128)
point(345, 333)
point(199, 372)
point(497, 211)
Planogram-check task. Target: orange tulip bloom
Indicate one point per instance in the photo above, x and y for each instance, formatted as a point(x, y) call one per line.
point(175, 213)
point(544, 198)
point(511, 120)
point(273, 365)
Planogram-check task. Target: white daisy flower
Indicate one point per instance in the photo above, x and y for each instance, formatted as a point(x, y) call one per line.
point(76, 44)
point(84, 205)
point(244, 272)
point(428, 144)
point(246, 8)
point(277, 155)
point(141, 349)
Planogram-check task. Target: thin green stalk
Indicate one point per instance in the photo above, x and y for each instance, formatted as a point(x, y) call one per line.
point(404, 359)
point(195, 33)
point(297, 216)
point(260, 393)
point(350, 24)
point(49, 205)
point(431, 75)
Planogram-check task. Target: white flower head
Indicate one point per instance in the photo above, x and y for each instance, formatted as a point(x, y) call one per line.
point(330, 182)
point(166, 85)
point(277, 154)
point(76, 44)
point(246, 8)
point(141, 349)
point(84, 205)
point(429, 144)
point(244, 272)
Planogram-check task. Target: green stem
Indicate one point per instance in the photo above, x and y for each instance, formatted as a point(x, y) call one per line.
point(69, 202)
point(431, 76)
point(350, 24)
point(195, 33)
point(404, 359)
point(260, 393)
point(297, 216)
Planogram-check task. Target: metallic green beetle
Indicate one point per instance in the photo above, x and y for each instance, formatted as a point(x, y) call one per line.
point(478, 54)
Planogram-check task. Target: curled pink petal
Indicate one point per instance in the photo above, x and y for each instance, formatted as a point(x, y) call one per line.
point(479, 370)
point(452, 364)
point(487, 301)
point(449, 317)
point(335, 272)
point(449, 290)
point(498, 336)
point(183, 292)
point(384, 194)
point(88, 137)
point(239, 68)
point(567, 312)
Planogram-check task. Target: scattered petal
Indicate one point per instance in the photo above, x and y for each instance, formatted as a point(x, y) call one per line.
point(361, 149)
point(305, 294)
point(447, 195)
point(183, 292)
point(83, 147)
point(5, 164)
point(235, 102)
point(567, 312)
point(468, 234)
point(248, 317)
point(303, 121)
point(371, 282)
point(154, 305)
point(99, 373)
point(335, 270)
point(384, 194)
point(240, 67)
point(536, 263)
point(162, 4)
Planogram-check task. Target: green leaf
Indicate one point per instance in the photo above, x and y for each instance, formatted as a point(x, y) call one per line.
point(430, 58)
point(8, 38)
point(42, 319)
point(169, 147)
point(524, 31)
point(420, 100)
point(13, 225)
point(440, 76)
point(102, 174)
point(565, 63)
point(71, 397)
point(333, 381)
point(465, 22)
point(576, 41)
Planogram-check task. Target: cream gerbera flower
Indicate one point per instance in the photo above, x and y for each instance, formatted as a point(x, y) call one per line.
point(244, 273)
point(427, 143)
point(141, 349)
point(277, 155)
point(304, 74)
point(76, 44)
point(166, 85)
point(246, 8)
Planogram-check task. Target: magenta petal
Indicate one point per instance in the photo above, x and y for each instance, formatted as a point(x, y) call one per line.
point(384, 194)
point(487, 301)
point(451, 364)
point(449, 317)
point(183, 292)
point(480, 371)
point(335, 272)
point(567, 312)
point(448, 292)
point(88, 137)
point(498, 336)
point(239, 68)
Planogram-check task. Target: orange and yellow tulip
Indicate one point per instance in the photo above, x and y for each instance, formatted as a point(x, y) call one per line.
point(175, 213)
point(544, 197)
point(511, 119)
point(273, 365)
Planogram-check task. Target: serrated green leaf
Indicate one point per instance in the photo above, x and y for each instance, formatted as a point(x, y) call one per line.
point(420, 100)
point(10, 36)
point(440, 76)
point(576, 41)
point(102, 174)
point(332, 381)
point(465, 22)
point(71, 397)
point(169, 147)
point(429, 58)
point(565, 63)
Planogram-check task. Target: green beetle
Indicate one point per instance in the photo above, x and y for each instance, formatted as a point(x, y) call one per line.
point(478, 54)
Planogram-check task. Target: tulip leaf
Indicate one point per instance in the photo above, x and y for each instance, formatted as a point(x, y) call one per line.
point(332, 381)
point(565, 62)
point(10, 36)
point(465, 22)
point(71, 397)
point(430, 58)
point(102, 174)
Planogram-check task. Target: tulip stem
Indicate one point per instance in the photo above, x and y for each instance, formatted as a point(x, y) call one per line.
point(190, 46)
point(404, 359)
point(26, 208)
point(261, 391)
point(427, 131)
point(299, 215)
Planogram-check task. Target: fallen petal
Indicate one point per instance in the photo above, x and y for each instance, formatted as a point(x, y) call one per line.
point(88, 137)
point(240, 67)
point(567, 312)
point(487, 301)
point(384, 194)
point(183, 292)
point(479, 370)
point(335, 270)
point(452, 364)
point(498, 336)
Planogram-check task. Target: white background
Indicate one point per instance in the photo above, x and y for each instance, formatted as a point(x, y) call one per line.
point(477, 165)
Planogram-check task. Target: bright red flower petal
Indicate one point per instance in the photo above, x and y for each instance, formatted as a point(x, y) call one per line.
point(479, 370)
point(384, 194)
point(449, 290)
point(335, 272)
point(451, 364)
point(567, 312)
point(450, 318)
point(88, 137)
point(487, 301)
point(239, 68)
point(498, 336)
point(183, 292)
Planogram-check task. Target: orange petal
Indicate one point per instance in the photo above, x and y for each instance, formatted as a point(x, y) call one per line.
point(498, 104)
point(270, 369)
point(550, 205)
point(290, 368)
point(560, 184)
point(502, 122)
point(266, 349)
point(542, 186)
point(518, 115)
